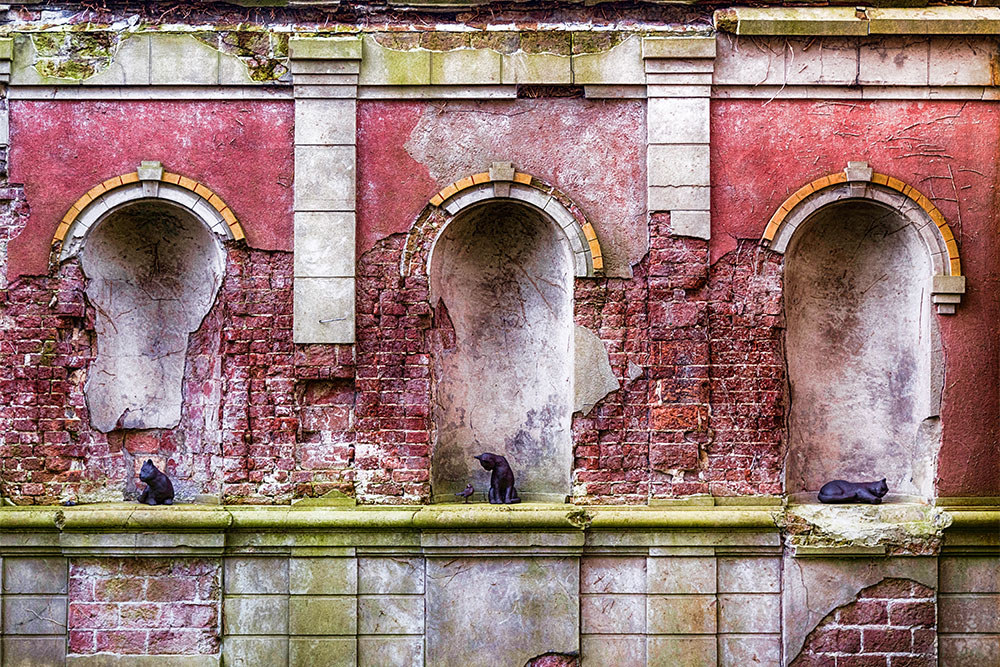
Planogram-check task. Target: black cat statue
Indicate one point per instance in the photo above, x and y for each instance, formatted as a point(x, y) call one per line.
point(159, 490)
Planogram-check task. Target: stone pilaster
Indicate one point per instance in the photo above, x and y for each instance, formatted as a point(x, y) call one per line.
point(678, 87)
point(325, 75)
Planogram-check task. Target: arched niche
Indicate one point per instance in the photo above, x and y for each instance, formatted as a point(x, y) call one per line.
point(503, 272)
point(152, 254)
point(862, 346)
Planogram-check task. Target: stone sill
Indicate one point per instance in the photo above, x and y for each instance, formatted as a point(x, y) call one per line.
point(444, 517)
point(850, 22)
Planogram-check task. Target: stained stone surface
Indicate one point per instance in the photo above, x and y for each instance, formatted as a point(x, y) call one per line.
point(594, 378)
point(859, 349)
point(483, 612)
point(504, 273)
point(153, 273)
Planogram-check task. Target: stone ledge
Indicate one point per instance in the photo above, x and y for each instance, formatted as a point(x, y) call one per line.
point(847, 21)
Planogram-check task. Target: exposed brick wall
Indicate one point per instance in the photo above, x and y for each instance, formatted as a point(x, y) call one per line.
point(746, 327)
point(134, 606)
point(890, 624)
point(394, 379)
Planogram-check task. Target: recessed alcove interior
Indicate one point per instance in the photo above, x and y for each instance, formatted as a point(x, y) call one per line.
point(153, 272)
point(503, 274)
point(863, 352)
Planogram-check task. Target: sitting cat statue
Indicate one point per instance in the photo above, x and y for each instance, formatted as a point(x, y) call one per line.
point(159, 490)
point(502, 491)
point(839, 491)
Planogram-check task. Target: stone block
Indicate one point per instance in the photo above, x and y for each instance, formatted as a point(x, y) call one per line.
point(696, 224)
point(681, 614)
point(38, 576)
point(829, 61)
point(325, 48)
point(825, 21)
point(743, 650)
point(325, 651)
point(621, 64)
point(681, 575)
point(613, 574)
point(674, 197)
point(255, 615)
point(511, 625)
point(391, 615)
point(322, 615)
point(390, 67)
point(894, 61)
point(537, 68)
point(323, 310)
point(324, 244)
point(130, 66)
point(395, 651)
point(749, 613)
point(325, 121)
point(969, 574)
point(30, 615)
point(256, 575)
point(234, 72)
point(678, 47)
point(749, 62)
point(956, 61)
point(747, 574)
point(969, 651)
point(325, 178)
point(34, 651)
point(933, 20)
point(397, 575)
point(969, 613)
point(466, 67)
point(255, 651)
point(182, 60)
point(672, 165)
point(673, 120)
point(323, 576)
point(620, 651)
point(680, 651)
point(613, 614)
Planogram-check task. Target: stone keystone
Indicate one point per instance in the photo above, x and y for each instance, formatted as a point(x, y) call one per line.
point(150, 171)
point(502, 171)
point(858, 171)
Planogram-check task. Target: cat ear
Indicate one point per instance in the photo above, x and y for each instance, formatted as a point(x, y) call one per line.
point(149, 461)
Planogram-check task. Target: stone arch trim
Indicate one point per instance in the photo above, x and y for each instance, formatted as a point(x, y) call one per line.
point(859, 182)
point(147, 182)
point(500, 184)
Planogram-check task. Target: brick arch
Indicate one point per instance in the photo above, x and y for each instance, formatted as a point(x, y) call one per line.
point(149, 182)
point(502, 184)
point(859, 182)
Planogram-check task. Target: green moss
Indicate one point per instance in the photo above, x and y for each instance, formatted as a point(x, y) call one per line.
point(266, 69)
point(445, 41)
point(595, 42)
point(48, 44)
point(279, 45)
point(68, 69)
point(93, 45)
point(247, 43)
point(559, 43)
point(503, 42)
point(398, 41)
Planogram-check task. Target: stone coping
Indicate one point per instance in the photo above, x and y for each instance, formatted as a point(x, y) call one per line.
point(453, 517)
point(858, 22)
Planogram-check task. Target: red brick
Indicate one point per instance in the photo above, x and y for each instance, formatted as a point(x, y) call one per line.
point(878, 640)
point(118, 589)
point(862, 661)
point(91, 616)
point(864, 612)
point(911, 614)
point(121, 642)
point(834, 640)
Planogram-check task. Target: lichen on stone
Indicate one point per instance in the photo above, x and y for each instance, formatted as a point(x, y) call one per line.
point(902, 529)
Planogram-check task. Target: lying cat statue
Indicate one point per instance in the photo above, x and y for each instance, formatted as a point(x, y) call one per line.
point(839, 491)
point(159, 490)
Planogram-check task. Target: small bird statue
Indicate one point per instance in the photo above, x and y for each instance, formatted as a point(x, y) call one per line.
point(465, 494)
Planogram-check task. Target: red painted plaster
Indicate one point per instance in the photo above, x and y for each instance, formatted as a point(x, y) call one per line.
point(763, 152)
point(588, 149)
point(241, 150)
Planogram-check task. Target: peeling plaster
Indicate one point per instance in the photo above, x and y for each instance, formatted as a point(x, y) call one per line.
point(154, 272)
point(594, 378)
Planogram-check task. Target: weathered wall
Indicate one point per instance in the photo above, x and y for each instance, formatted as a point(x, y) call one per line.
point(593, 150)
point(945, 149)
point(60, 150)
